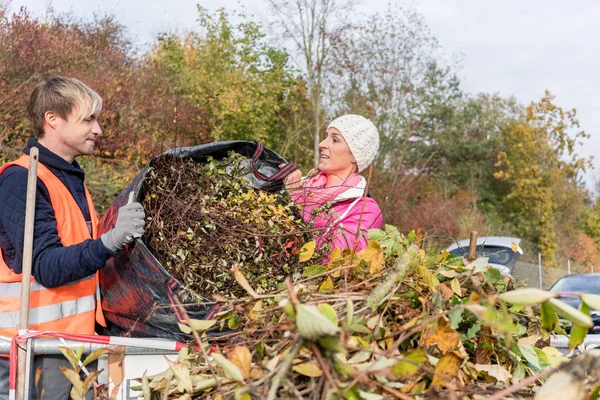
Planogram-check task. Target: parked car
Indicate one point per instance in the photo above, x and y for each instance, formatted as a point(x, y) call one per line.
point(585, 283)
point(503, 251)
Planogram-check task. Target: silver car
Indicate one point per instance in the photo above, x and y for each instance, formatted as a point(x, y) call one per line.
point(503, 252)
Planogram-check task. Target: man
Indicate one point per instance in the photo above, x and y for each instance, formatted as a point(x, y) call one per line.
point(67, 252)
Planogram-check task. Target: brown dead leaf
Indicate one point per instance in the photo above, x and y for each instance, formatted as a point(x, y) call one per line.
point(445, 291)
point(445, 370)
point(241, 357)
point(485, 349)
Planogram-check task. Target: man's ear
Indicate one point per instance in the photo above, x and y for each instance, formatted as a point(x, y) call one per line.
point(51, 119)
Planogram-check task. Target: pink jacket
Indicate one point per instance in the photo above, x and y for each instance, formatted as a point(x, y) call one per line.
point(339, 219)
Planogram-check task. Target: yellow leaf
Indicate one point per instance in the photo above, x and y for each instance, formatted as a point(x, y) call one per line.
point(326, 285)
point(455, 285)
point(241, 357)
point(514, 247)
point(445, 370)
point(307, 251)
point(308, 369)
point(445, 338)
point(199, 325)
point(374, 256)
point(334, 256)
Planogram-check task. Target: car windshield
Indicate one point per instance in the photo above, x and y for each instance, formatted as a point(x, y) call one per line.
point(578, 283)
point(497, 255)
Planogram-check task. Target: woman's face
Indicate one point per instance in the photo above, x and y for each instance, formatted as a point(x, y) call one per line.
point(336, 157)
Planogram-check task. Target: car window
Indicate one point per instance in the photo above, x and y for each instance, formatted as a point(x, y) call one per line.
point(497, 255)
point(585, 284)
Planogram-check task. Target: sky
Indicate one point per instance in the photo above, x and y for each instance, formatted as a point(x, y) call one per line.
point(511, 47)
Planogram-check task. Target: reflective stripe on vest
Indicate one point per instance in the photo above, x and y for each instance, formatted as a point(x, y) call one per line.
point(68, 308)
point(51, 313)
point(13, 289)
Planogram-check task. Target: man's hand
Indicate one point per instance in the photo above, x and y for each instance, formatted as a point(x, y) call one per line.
point(129, 226)
point(293, 181)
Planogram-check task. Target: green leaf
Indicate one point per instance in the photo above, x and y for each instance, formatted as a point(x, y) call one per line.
point(313, 270)
point(429, 277)
point(329, 312)
point(592, 300)
point(572, 314)
point(549, 317)
point(578, 332)
point(349, 311)
point(377, 234)
point(526, 297)
point(528, 352)
point(474, 330)
point(456, 317)
point(492, 275)
point(595, 393)
point(231, 370)
point(312, 324)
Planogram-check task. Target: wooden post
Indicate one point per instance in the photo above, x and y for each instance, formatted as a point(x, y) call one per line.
point(540, 268)
point(472, 245)
point(568, 267)
point(21, 389)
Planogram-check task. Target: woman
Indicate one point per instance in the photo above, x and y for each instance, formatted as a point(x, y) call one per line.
point(333, 196)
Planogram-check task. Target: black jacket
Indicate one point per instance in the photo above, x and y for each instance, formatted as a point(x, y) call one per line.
point(53, 264)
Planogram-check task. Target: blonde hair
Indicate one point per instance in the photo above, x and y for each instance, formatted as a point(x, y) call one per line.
point(62, 96)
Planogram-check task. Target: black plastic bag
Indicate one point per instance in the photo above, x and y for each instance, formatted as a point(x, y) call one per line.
point(137, 292)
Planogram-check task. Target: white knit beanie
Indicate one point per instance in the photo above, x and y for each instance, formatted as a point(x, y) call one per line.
point(361, 135)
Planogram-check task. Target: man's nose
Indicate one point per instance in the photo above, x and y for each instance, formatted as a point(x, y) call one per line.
point(96, 130)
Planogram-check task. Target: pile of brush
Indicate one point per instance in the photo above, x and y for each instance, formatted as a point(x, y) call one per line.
point(205, 221)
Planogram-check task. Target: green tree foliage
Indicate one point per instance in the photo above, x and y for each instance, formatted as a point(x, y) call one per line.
point(245, 84)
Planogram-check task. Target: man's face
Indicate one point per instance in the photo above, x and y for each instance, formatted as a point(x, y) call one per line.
point(77, 138)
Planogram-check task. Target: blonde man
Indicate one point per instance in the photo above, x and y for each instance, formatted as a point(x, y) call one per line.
point(67, 251)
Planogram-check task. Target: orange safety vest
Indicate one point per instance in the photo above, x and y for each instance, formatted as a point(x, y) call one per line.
point(72, 308)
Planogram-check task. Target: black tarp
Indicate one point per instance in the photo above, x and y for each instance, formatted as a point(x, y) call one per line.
point(137, 291)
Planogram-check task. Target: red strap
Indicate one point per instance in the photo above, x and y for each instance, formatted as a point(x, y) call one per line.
point(279, 175)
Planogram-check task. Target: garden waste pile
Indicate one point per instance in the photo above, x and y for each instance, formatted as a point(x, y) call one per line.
point(206, 220)
point(389, 321)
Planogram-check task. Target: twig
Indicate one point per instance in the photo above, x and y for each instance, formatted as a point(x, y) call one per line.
point(362, 210)
point(283, 369)
point(382, 290)
point(394, 392)
point(324, 366)
point(502, 394)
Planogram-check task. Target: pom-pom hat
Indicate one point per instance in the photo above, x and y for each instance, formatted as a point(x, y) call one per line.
point(361, 135)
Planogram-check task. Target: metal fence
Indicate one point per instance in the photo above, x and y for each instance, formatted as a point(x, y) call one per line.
point(539, 276)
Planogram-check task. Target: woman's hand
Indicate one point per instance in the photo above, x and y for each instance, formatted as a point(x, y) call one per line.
point(293, 181)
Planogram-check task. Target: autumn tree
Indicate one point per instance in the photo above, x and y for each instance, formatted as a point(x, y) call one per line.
point(245, 85)
point(537, 155)
point(311, 25)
